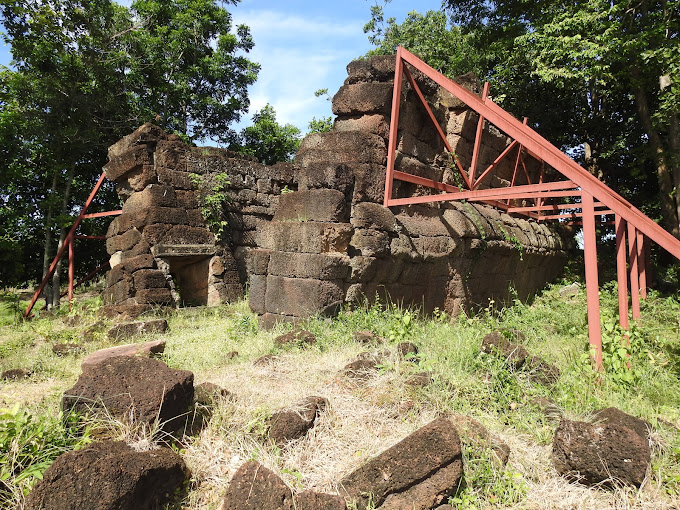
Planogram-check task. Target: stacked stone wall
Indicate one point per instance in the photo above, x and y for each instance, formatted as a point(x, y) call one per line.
point(311, 235)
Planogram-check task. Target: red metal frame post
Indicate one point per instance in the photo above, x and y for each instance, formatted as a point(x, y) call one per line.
point(621, 273)
point(642, 264)
point(394, 122)
point(71, 269)
point(634, 275)
point(592, 282)
point(70, 235)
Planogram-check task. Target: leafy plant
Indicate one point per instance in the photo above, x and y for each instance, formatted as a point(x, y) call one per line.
point(29, 444)
point(213, 196)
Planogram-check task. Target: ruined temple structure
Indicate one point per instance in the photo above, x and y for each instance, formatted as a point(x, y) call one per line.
point(309, 236)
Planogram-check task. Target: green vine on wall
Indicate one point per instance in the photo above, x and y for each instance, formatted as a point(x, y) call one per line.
point(512, 239)
point(212, 195)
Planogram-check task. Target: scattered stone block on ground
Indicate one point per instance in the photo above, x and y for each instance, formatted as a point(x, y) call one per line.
point(605, 452)
point(417, 473)
point(299, 336)
point(137, 389)
point(290, 424)
point(121, 331)
point(109, 476)
point(146, 349)
point(254, 487)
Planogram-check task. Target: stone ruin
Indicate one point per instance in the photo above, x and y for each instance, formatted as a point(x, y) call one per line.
point(309, 236)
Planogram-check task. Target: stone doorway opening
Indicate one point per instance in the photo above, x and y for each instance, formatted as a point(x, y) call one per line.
point(188, 268)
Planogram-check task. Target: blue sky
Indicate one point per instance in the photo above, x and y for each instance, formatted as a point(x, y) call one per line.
point(303, 46)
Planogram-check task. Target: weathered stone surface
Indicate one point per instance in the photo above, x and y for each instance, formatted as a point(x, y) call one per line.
point(305, 237)
point(310, 500)
point(299, 336)
point(363, 366)
point(327, 266)
point(67, 349)
point(515, 355)
point(367, 337)
point(153, 196)
point(377, 124)
point(612, 415)
point(122, 163)
point(154, 296)
point(420, 380)
point(126, 330)
point(207, 394)
point(254, 487)
point(417, 473)
point(301, 297)
point(607, 453)
point(290, 424)
point(146, 349)
point(379, 68)
point(363, 98)
point(16, 373)
point(323, 174)
point(133, 387)
point(370, 243)
point(342, 147)
point(375, 216)
point(109, 476)
point(313, 205)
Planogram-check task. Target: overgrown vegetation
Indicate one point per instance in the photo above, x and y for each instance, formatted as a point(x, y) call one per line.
point(365, 419)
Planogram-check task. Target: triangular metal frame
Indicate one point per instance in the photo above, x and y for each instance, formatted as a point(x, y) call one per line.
point(596, 198)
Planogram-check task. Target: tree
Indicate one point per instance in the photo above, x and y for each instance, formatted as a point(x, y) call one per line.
point(322, 125)
point(267, 140)
point(88, 72)
point(616, 63)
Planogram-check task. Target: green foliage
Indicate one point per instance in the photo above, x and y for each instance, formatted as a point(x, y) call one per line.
point(486, 481)
point(29, 444)
point(443, 46)
point(84, 74)
point(212, 191)
point(267, 140)
point(322, 125)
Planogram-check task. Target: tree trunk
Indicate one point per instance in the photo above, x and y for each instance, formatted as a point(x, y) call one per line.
point(47, 243)
point(670, 207)
point(56, 279)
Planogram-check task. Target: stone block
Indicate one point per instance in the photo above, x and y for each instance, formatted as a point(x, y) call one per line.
point(325, 175)
point(139, 262)
point(376, 124)
point(149, 278)
point(133, 158)
point(313, 205)
point(374, 216)
point(342, 147)
point(154, 195)
point(123, 242)
point(178, 234)
point(186, 199)
point(171, 154)
point(379, 68)
point(271, 320)
point(363, 98)
point(458, 223)
point(305, 237)
point(154, 297)
point(257, 288)
point(140, 177)
point(419, 472)
point(329, 266)
point(143, 135)
point(257, 261)
point(174, 178)
point(370, 243)
point(369, 183)
point(302, 297)
point(422, 151)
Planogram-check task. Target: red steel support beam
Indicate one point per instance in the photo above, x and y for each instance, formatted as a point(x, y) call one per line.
point(60, 253)
point(634, 275)
point(592, 282)
point(621, 273)
point(547, 152)
point(394, 121)
point(102, 214)
point(642, 264)
point(478, 138)
point(71, 269)
point(494, 164)
point(88, 277)
point(433, 119)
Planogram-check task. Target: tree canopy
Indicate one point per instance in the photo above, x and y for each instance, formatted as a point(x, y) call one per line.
point(599, 79)
point(267, 140)
point(87, 72)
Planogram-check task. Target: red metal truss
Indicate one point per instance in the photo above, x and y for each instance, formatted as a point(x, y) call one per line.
point(586, 197)
point(69, 244)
